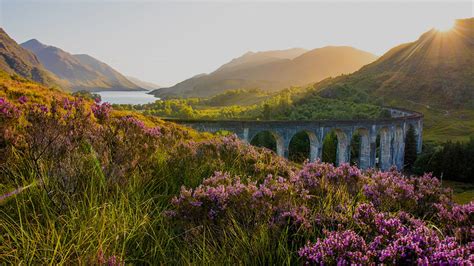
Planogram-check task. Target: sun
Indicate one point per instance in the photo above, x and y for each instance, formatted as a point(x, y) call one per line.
point(444, 25)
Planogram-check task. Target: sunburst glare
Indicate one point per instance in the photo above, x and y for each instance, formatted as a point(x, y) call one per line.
point(444, 25)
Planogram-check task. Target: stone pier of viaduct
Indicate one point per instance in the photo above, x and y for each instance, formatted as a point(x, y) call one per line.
point(392, 132)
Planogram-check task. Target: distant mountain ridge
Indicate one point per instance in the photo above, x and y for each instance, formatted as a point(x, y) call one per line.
point(258, 58)
point(83, 72)
point(272, 70)
point(16, 60)
point(144, 84)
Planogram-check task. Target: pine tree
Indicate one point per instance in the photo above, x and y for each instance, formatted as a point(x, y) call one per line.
point(266, 111)
point(410, 148)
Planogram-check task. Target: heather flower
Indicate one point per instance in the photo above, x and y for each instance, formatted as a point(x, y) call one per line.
point(387, 239)
point(248, 202)
point(457, 220)
point(22, 99)
point(316, 176)
point(101, 111)
point(7, 109)
point(43, 108)
point(391, 191)
point(341, 248)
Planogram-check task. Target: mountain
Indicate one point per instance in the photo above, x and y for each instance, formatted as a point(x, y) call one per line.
point(272, 70)
point(144, 84)
point(251, 59)
point(16, 60)
point(433, 75)
point(435, 70)
point(83, 72)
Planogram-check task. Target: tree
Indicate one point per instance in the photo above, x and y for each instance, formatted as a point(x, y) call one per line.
point(410, 148)
point(330, 148)
point(355, 149)
point(266, 111)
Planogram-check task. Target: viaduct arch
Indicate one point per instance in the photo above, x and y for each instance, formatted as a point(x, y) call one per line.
point(391, 131)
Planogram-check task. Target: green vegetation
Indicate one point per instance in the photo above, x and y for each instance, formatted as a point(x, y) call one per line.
point(239, 97)
point(256, 104)
point(463, 192)
point(299, 148)
point(87, 95)
point(410, 148)
point(450, 160)
point(330, 148)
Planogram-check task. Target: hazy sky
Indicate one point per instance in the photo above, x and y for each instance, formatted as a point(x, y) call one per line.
point(166, 42)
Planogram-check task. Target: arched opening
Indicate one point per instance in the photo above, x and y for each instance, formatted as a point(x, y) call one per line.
point(360, 148)
point(355, 149)
point(299, 148)
point(411, 141)
point(336, 147)
point(330, 148)
point(383, 149)
point(265, 139)
point(303, 146)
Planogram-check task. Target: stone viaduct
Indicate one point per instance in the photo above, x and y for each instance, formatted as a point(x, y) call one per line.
point(392, 132)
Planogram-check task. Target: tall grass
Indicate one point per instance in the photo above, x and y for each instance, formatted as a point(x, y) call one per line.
point(121, 222)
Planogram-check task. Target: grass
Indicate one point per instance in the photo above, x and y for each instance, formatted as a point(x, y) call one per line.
point(126, 224)
point(462, 192)
point(441, 125)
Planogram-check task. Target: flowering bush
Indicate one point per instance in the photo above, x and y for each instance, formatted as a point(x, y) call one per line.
point(321, 178)
point(190, 160)
point(387, 239)
point(391, 191)
point(101, 110)
point(299, 202)
point(9, 114)
point(456, 220)
point(221, 196)
point(125, 143)
point(62, 141)
point(341, 248)
point(7, 109)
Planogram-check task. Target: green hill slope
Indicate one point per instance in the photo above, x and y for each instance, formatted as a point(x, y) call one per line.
point(436, 70)
point(433, 75)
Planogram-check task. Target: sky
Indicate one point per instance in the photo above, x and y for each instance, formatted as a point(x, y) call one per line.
point(166, 42)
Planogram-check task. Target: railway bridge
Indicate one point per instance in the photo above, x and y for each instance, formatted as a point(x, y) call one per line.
point(391, 132)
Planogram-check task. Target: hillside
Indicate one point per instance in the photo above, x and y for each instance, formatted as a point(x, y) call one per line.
point(433, 75)
point(436, 70)
point(83, 72)
point(16, 60)
point(272, 71)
